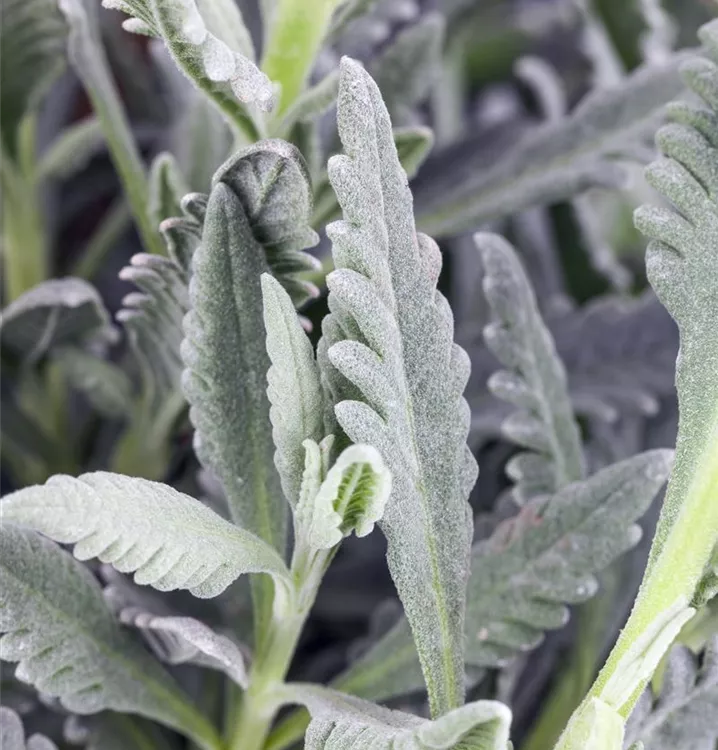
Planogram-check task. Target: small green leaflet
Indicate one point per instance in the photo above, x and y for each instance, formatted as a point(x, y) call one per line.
point(343, 722)
point(396, 378)
point(68, 644)
point(169, 540)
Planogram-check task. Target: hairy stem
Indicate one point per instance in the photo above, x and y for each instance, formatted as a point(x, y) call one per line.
point(259, 705)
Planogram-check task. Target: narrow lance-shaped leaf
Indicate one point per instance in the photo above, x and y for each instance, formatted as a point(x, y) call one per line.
point(167, 539)
point(69, 645)
point(167, 188)
point(256, 221)
point(534, 381)
point(397, 378)
point(294, 389)
point(33, 39)
point(12, 734)
point(343, 722)
point(557, 160)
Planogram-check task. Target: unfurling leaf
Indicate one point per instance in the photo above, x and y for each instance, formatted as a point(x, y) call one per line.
point(396, 378)
point(68, 644)
point(169, 540)
point(534, 381)
point(351, 497)
point(184, 640)
point(343, 722)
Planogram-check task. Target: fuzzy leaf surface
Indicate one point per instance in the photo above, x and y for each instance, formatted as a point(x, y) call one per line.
point(683, 713)
point(184, 640)
point(294, 389)
point(224, 73)
point(534, 381)
point(341, 722)
point(560, 159)
point(167, 539)
point(55, 313)
point(12, 734)
point(391, 367)
point(33, 39)
point(68, 644)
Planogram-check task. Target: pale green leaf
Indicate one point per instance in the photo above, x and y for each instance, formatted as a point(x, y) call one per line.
point(348, 11)
point(12, 734)
point(683, 269)
point(351, 497)
point(58, 312)
point(215, 63)
point(105, 385)
point(683, 713)
point(294, 389)
point(184, 640)
point(397, 379)
point(559, 159)
point(224, 20)
point(33, 38)
point(343, 722)
point(72, 150)
point(167, 539)
point(534, 381)
point(167, 188)
point(69, 645)
point(312, 103)
point(91, 65)
point(407, 68)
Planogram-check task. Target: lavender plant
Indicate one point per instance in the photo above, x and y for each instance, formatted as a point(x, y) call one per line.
point(291, 315)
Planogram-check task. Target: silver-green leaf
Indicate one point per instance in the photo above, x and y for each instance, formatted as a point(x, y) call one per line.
point(167, 539)
point(68, 644)
point(12, 734)
point(391, 367)
point(534, 381)
point(343, 722)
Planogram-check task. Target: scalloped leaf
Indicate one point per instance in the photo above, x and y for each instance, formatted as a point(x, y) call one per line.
point(167, 539)
point(396, 378)
point(12, 734)
point(343, 722)
point(556, 160)
point(218, 68)
point(184, 640)
point(33, 39)
point(68, 644)
point(58, 312)
point(534, 381)
point(683, 713)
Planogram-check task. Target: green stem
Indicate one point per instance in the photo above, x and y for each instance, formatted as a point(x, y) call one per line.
point(111, 227)
point(25, 260)
point(296, 34)
point(259, 704)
